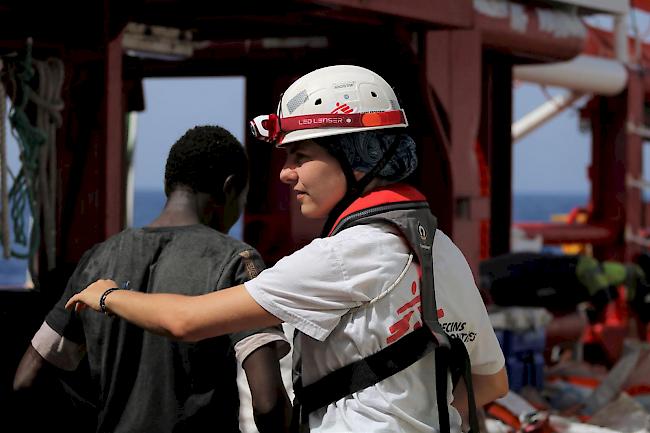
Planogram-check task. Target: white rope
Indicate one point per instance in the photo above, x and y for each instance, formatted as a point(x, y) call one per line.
point(386, 291)
point(4, 191)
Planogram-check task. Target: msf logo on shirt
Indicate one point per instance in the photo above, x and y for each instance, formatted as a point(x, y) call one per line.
point(403, 325)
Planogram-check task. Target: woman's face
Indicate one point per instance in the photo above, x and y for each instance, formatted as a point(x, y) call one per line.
point(315, 177)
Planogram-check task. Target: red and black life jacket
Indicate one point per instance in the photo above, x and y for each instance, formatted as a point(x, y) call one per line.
point(406, 209)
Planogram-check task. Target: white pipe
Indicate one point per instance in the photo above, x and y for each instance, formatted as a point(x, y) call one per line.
point(583, 74)
point(620, 38)
point(542, 114)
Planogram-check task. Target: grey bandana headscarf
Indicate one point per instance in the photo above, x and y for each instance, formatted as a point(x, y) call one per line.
point(364, 149)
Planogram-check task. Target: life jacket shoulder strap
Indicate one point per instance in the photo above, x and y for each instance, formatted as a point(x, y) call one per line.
point(417, 226)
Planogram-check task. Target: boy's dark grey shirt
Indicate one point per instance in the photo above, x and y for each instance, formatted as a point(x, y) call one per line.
point(145, 382)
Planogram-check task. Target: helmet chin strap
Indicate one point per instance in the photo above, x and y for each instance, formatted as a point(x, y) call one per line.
point(355, 187)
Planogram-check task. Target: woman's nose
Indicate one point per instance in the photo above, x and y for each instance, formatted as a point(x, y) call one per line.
point(288, 174)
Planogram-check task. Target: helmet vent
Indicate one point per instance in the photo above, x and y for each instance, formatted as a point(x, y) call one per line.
point(374, 95)
point(297, 101)
point(318, 101)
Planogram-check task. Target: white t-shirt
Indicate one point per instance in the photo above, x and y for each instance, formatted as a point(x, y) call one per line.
point(353, 294)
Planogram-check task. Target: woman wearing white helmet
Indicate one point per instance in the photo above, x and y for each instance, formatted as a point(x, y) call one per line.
point(380, 346)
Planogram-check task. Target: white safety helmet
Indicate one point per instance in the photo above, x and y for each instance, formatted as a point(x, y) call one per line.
point(329, 101)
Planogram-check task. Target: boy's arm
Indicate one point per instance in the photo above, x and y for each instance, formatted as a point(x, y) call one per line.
point(31, 369)
point(487, 388)
point(58, 344)
point(271, 406)
point(260, 352)
point(47, 356)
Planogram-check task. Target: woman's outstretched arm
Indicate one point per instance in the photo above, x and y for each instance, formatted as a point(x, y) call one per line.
point(185, 318)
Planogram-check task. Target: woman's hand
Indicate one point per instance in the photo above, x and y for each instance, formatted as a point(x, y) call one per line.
point(90, 296)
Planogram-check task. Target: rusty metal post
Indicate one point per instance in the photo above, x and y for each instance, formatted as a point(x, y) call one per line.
point(607, 171)
point(90, 158)
point(454, 81)
point(634, 161)
point(268, 219)
point(114, 176)
point(496, 143)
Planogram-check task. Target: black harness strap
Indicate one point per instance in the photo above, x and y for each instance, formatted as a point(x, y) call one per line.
point(366, 372)
point(462, 367)
point(299, 417)
point(442, 366)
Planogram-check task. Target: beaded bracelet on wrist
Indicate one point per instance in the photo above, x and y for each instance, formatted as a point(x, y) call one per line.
point(102, 301)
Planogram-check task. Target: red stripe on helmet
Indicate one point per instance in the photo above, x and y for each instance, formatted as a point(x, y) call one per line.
point(394, 117)
point(355, 120)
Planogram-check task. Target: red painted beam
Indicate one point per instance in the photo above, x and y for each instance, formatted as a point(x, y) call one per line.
point(451, 173)
point(559, 233)
point(531, 32)
point(600, 43)
point(633, 158)
point(444, 13)
point(113, 183)
point(641, 4)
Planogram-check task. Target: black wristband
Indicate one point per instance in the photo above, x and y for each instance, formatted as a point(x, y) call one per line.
point(102, 300)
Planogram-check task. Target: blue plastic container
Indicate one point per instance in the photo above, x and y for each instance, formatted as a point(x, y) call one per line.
point(524, 354)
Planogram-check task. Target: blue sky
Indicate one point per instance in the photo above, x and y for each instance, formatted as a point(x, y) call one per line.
point(174, 106)
point(554, 157)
